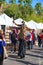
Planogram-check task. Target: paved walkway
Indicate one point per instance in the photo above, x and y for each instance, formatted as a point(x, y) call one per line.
point(33, 57)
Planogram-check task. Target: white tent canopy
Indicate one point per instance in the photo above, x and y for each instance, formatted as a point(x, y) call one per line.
point(18, 21)
point(15, 25)
point(2, 21)
point(0, 27)
point(26, 23)
point(32, 25)
point(8, 20)
point(39, 26)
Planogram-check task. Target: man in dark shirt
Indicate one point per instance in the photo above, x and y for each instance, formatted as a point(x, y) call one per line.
point(13, 39)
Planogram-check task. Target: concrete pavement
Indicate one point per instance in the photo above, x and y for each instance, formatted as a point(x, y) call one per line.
point(33, 57)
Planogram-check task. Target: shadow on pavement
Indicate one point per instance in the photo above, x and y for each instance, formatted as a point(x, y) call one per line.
point(26, 62)
point(13, 56)
point(37, 51)
point(28, 54)
point(23, 61)
point(35, 55)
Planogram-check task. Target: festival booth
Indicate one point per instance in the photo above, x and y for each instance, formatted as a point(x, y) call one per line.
point(31, 25)
point(39, 26)
point(2, 22)
point(8, 20)
point(8, 23)
point(18, 21)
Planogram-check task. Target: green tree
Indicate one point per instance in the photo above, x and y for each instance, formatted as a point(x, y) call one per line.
point(2, 0)
point(38, 8)
point(24, 10)
point(25, 2)
point(13, 11)
point(12, 1)
point(2, 5)
point(26, 7)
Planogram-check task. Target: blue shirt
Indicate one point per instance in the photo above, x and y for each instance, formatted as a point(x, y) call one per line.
point(2, 43)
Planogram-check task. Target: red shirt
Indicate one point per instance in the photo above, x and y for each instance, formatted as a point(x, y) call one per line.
point(41, 36)
point(32, 36)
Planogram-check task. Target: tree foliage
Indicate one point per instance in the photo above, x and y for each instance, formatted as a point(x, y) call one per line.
point(23, 10)
point(2, 0)
point(25, 2)
point(38, 8)
point(12, 1)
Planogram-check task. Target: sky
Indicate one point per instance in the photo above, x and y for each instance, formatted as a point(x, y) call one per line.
point(36, 1)
point(33, 2)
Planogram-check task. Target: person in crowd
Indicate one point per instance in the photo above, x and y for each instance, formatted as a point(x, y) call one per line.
point(3, 35)
point(29, 42)
point(41, 36)
point(39, 40)
point(22, 42)
point(32, 38)
point(2, 47)
point(13, 40)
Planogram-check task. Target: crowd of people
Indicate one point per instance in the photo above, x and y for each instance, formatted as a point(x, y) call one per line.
point(22, 38)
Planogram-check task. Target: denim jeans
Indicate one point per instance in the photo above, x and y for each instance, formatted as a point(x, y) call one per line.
point(31, 44)
point(22, 48)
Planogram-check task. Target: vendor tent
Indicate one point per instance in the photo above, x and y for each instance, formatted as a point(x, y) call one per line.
point(39, 26)
point(32, 25)
point(18, 21)
point(0, 27)
point(2, 21)
point(14, 25)
point(8, 20)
